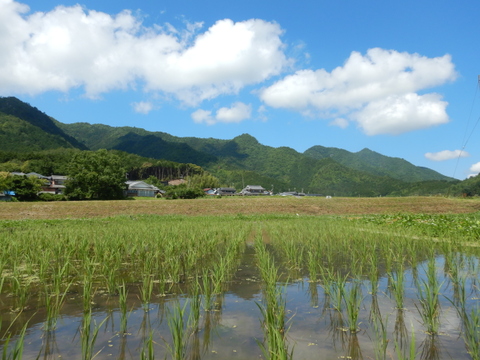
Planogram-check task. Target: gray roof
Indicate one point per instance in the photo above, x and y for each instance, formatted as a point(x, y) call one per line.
point(140, 185)
point(254, 187)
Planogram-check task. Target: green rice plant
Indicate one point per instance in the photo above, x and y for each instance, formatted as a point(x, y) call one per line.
point(148, 352)
point(195, 304)
point(275, 332)
point(14, 352)
point(53, 304)
point(381, 340)
point(21, 292)
point(429, 310)
point(397, 286)
point(88, 292)
point(110, 278)
point(312, 265)
point(471, 332)
point(353, 299)
point(146, 290)
point(89, 334)
point(273, 310)
point(337, 291)
point(407, 354)
point(122, 302)
point(179, 332)
point(428, 294)
point(207, 290)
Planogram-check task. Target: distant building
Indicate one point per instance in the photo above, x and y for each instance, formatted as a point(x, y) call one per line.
point(225, 191)
point(254, 190)
point(142, 189)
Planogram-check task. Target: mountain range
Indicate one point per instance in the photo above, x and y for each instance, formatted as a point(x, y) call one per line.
point(236, 162)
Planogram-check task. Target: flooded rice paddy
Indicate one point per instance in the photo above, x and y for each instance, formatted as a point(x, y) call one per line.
point(240, 287)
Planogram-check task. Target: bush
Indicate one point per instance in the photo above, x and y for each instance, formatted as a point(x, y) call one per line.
point(182, 192)
point(51, 197)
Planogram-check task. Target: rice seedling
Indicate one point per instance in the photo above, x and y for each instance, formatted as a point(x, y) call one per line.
point(14, 352)
point(381, 340)
point(146, 290)
point(397, 286)
point(88, 335)
point(353, 298)
point(407, 353)
point(88, 292)
point(273, 310)
point(337, 291)
point(54, 301)
point(428, 295)
point(148, 352)
point(122, 302)
point(179, 332)
point(195, 304)
point(21, 293)
point(471, 332)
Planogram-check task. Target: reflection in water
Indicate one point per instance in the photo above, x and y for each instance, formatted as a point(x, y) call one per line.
point(227, 325)
point(400, 331)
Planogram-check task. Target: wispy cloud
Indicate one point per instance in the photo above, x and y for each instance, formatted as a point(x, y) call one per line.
point(446, 155)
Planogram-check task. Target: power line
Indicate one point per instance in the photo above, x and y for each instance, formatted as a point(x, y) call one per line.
point(465, 142)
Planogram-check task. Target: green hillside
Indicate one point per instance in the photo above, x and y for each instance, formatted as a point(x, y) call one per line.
point(236, 162)
point(376, 164)
point(25, 128)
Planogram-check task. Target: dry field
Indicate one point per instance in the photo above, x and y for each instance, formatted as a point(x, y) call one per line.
point(239, 205)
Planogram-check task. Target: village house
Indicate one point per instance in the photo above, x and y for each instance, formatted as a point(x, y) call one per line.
point(142, 189)
point(254, 190)
point(225, 191)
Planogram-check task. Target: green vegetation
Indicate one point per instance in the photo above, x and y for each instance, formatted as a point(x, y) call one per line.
point(184, 267)
point(95, 175)
point(26, 188)
point(237, 162)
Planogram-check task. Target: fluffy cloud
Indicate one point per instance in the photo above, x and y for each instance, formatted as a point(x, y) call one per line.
point(399, 114)
point(446, 155)
point(234, 114)
point(475, 168)
point(143, 107)
point(71, 47)
point(383, 81)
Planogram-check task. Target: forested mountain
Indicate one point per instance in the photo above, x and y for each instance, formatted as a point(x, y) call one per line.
point(25, 128)
point(376, 164)
point(236, 162)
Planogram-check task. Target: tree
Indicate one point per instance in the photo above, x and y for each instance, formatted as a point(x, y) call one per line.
point(202, 181)
point(26, 188)
point(95, 175)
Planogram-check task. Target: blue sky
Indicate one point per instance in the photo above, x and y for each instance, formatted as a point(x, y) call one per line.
point(399, 78)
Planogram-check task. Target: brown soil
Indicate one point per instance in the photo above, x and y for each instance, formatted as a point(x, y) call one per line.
point(239, 205)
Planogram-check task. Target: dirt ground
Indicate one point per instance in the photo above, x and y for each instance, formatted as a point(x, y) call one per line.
point(238, 205)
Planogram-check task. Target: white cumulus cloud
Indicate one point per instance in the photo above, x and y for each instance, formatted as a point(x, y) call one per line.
point(475, 169)
point(234, 114)
point(203, 116)
point(72, 47)
point(143, 107)
point(446, 155)
point(381, 80)
point(399, 114)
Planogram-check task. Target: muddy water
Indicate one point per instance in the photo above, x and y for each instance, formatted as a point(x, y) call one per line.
point(232, 329)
